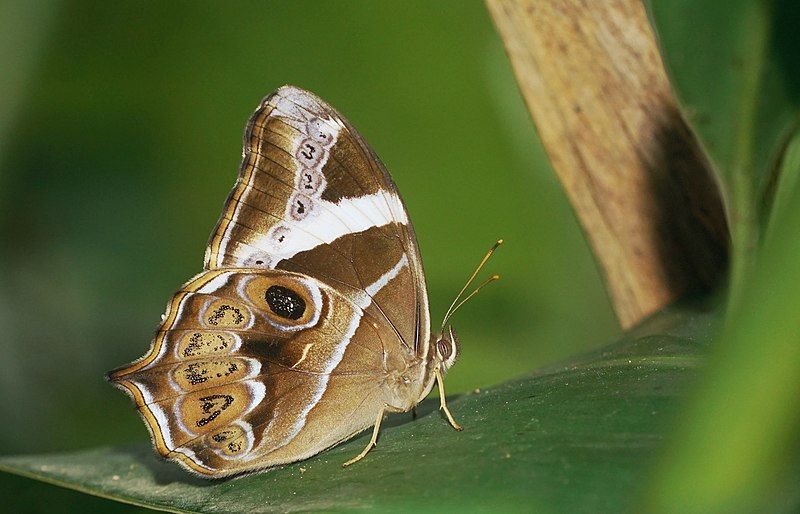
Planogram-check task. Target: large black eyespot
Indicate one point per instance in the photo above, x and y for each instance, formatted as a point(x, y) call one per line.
point(285, 302)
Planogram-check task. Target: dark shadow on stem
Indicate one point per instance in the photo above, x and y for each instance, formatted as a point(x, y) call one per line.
point(688, 216)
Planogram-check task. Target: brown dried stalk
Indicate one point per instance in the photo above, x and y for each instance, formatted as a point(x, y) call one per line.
point(593, 79)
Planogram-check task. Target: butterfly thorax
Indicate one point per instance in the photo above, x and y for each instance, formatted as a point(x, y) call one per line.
point(407, 387)
point(402, 388)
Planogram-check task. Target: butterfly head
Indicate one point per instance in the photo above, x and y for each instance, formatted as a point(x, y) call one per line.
point(447, 348)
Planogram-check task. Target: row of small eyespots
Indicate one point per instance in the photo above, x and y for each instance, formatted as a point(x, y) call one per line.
point(311, 183)
point(311, 154)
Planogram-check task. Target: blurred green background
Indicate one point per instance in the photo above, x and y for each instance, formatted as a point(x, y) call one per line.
point(120, 136)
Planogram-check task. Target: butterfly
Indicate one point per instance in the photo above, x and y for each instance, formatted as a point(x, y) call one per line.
point(310, 320)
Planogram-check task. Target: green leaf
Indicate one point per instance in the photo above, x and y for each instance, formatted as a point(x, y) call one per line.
point(736, 68)
point(736, 450)
point(735, 65)
point(572, 438)
point(789, 184)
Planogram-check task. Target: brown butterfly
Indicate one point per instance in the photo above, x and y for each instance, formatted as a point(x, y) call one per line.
point(310, 321)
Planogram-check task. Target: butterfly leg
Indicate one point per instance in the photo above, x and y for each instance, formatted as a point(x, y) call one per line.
point(443, 401)
point(372, 442)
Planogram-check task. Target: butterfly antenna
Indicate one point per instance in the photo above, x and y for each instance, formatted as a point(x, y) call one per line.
point(456, 304)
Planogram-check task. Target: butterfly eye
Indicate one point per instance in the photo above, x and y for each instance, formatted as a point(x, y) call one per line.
point(285, 303)
point(444, 348)
point(447, 348)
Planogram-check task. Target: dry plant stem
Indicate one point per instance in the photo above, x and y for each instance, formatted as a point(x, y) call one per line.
point(593, 80)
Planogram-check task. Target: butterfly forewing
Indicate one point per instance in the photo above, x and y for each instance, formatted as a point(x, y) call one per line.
point(312, 197)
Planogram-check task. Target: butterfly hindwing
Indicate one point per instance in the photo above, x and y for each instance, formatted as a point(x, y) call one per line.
point(246, 358)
